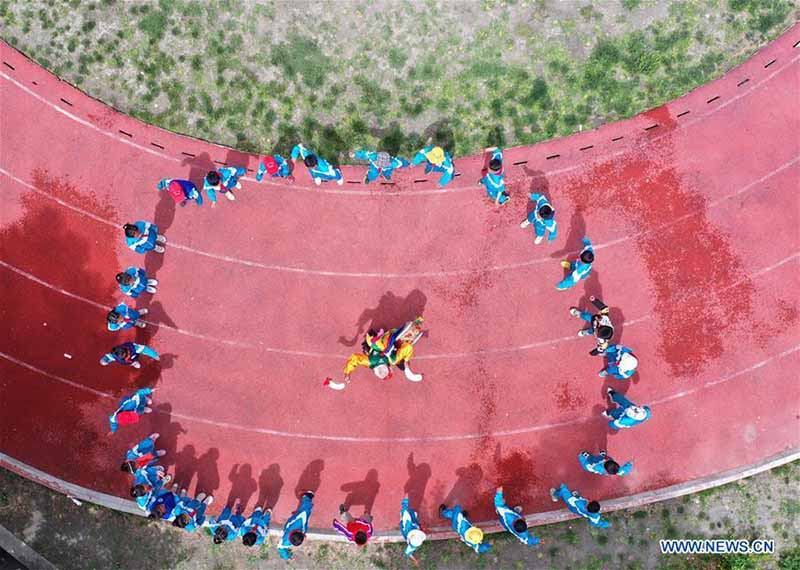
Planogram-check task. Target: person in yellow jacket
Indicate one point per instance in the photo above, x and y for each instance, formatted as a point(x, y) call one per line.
point(383, 349)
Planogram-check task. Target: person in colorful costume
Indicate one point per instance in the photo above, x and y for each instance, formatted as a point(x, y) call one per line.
point(142, 237)
point(358, 530)
point(579, 268)
point(181, 190)
point(255, 528)
point(130, 408)
point(143, 454)
point(124, 317)
point(318, 167)
point(589, 510)
point(223, 180)
point(127, 354)
point(493, 178)
point(380, 164)
point(227, 525)
point(512, 520)
point(602, 464)
point(436, 160)
point(383, 349)
point(600, 325)
point(470, 535)
point(274, 165)
point(133, 282)
point(627, 414)
point(621, 363)
point(543, 218)
point(410, 529)
point(189, 514)
point(294, 531)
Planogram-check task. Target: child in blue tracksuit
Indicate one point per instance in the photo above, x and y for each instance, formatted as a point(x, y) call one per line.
point(470, 535)
point(294, 531)
point(162, 504)
point(133, 282)
point(181, 190)
point(436, 160)
point(225, 528)
point(493, 178)
point(410, 529)
point(143, 454)
point(543, 218)
point(127, 354)
point(579, 269)
point(512, 520)
point(318, 167)
point(627, 414)
point(189, 514)
point(143, 236)
point(136, 403)
point(621, 363)
point(380, 164)
point(255, 528)
point(124, 317)
point(146, 482)
point(582, 507)
point(602, 464)
point(223, 180)
point(274, 165)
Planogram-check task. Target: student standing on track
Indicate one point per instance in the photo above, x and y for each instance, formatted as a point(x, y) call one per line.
point(493, 178)
point(579, 268)
point(124, 317)
point(410, 529)
point(380, 164)
point(133, 282)
point(470, 535)
point(621, 363)
point(358, 530)
point(127, 354)
point(143, 236)
point(602, 464)
point(318, 167)
point(600, 325)
point(181, 190)
point(589, 510)
point(512, 520)
point(131, 408)
point(294, 531)
point(543, 218)
point(256, 526)
point(223, 180)
point(627, 414)
point(436, 160)
point(276, 166)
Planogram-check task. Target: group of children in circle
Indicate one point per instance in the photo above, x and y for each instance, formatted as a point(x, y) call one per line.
point(149, 479)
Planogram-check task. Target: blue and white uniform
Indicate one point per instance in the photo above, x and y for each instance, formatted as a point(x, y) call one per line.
point(146, 241)
point(540, 225)
point(461, 525)
point(508, 516)
point(187, 187)
point(229, 179)
point(618, 364)
point(284, 170)
point(322, 171)
point(298, 521)
point(163, 497)
point(623, 417)
point(129, 318)
point(138, 285)
point(230, 521)
point(596, 464)
point(151, 476)
point(192, 507)
point(380, 164)
point(408, 522)
point(446, 167)
point(258, 523)
point(146, 447)
point(577, 504)
point(578, 269)
point(136, 402)
point(494, 182)
point(134, 350)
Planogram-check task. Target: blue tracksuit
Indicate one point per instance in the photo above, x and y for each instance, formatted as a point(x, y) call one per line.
point(298, 521)
point(145, 447)
point(136, 402)
point(613, 355)
point(138, 285)
point(577, 504)
point(461, 525)
point(192, 507)
point(283, 168)
point(151, 476)
point(163, 497)
point(258, 523)
point(578, 269)
point(229, 179)
point(540, 225)
point(129, 317)
point(189, 189)
point(232, 522)
point(134, 350)
point(375, 170)
point(146, 241)
point(508, 516)
point(447, 168)
point(408, 522)
point(494, 182)
point(596, 464)
point(322, 170)
point(620, 418)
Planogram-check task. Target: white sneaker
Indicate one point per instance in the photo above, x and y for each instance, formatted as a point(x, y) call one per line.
point(144, 311)
point(574, 312)
point(201, 497)
point(318, 181)
point(209, 500)
point(538, 240)
point(525, 224)
point(136, 364)
point(161, 239)
point(159, 249)
point(140, 324)
point(340, 181)
point(229, 195)
point(150, 289)
point(152, 282)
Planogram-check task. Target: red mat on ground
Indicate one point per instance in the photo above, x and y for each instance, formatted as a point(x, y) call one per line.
point(693, 211)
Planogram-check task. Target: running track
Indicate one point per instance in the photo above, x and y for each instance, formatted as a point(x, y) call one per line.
point(693, 210)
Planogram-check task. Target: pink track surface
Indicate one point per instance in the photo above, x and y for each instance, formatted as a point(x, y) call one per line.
point(693, 211)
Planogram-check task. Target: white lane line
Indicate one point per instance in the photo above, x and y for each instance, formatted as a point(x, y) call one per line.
point(338, 356)
point(426, 439)
point(410, 275)
point(597, 158)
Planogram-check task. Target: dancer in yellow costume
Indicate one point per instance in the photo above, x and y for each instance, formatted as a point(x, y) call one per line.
point(383, 349)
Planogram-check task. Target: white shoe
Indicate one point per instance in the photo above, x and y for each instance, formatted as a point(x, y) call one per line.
point(229, 195)
point(161, 239)
point(318, 181)
point(525, 224)
point(209, 500)
point(140, 324)
point(152, 282)
point(538, 240)
point(574, 312)
point(553, 494)
point(150, 289)
point(340, 181)
point(144, 311)
point(201, 497)
point(136, 364)
point(412, 376)
point(159, 249)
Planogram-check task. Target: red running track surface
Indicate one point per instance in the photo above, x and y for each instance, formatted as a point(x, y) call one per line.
point(693, 211)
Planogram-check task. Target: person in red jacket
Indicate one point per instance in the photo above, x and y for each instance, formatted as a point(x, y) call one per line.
point(358, 530)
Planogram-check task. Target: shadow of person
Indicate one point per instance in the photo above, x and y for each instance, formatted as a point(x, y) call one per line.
point(207, 472)
point(362, 492)
point(169, 431)
point(392, 311)
point(185, 466)
point(270, 484)
point(574, 240)
point(158, 315)
point(310, 479)
point(418, 477)
point(243, 486)
point(465, 489)
point(163, 217)
point(199, 166)
point(537, 183)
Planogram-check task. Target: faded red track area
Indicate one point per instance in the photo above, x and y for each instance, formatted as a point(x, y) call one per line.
point(692, 207)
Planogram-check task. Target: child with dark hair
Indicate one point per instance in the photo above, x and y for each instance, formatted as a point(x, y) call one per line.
point(162, 504)
point(626, 414)
point(274, 165)
point(602, 464)
point(146, 482)
point(436, 159)
point(589, 510)
point(296, 526)
point(181, 191)
point(470, 534)
point(579, 268)
point(124, 317)
point(131, 408)
point(127, 354)
point(318, 168)
point(225, 528)
point(512, 520)
point(143, 236)
point(255, 528)
point(543, 218)
point(410, 529)
point(223, 180)
point(621, 362)
point(600, 325)
point(143, 454)
point(358, 530)
point(189, 514)
point(493, 178)
point(133, 282)
point(380, 164)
